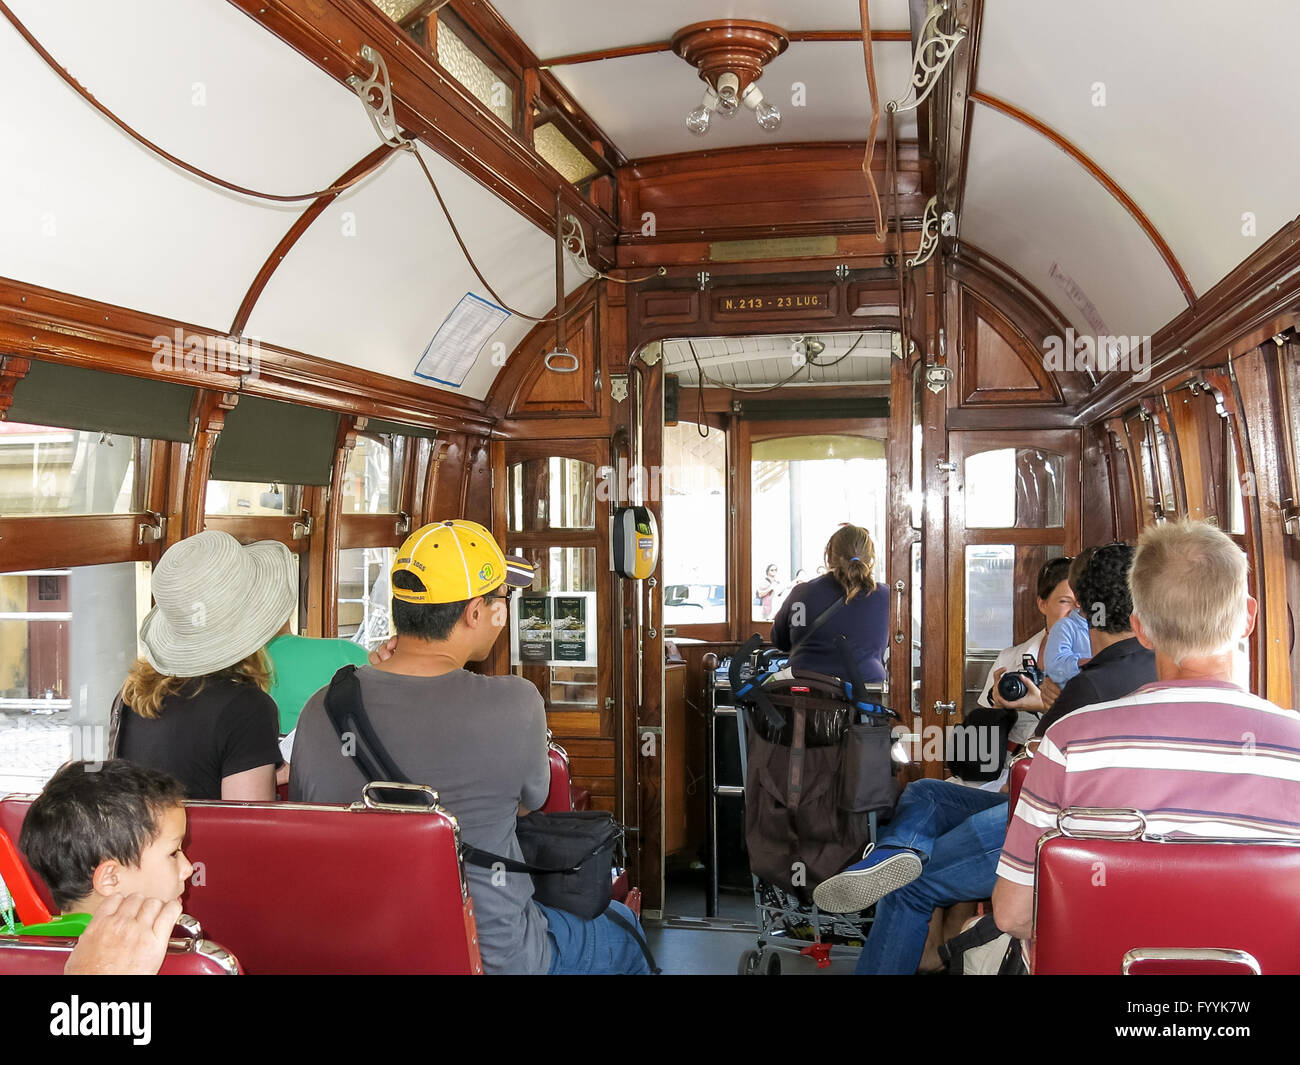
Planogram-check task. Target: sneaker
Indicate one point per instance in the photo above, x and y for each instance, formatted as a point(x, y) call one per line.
point(863, 884)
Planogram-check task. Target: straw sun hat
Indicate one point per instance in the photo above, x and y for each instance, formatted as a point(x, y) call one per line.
point(216, 603)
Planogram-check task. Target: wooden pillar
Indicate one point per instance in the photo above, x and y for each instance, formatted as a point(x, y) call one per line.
point(208, 417)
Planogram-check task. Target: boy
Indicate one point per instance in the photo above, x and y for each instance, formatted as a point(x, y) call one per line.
point(101, 836)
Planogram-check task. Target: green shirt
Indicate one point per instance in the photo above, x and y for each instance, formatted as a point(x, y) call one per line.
point(301, 666)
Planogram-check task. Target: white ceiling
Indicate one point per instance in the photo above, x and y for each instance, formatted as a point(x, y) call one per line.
point(1192, 129)
point(848, 358)
point(90, 212)
point(553, 28)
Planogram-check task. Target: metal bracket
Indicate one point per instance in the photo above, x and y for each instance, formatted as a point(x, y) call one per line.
point(153, 530)
point(946, 708)
point(380, 112)
point(934, 50)
point(302, 527)
point(618, 387)
point(703, 278)
point(403, 524)
point(842, 271)
point(652, 353)
point(929, 234)
point(937, 378)
point(946, 467)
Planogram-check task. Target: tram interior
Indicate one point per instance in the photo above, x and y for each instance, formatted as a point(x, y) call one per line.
point(471, 259)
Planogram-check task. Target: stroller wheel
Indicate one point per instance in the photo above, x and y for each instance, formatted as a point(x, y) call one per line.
point(771, 963)
point(748, 964)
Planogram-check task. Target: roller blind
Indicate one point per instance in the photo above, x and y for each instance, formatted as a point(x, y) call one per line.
point(70, 397)
point(265, 440)
point(379, 425)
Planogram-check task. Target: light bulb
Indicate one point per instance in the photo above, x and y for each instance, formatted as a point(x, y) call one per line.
point(698, 121)
point(728, 98)
point(768, 116)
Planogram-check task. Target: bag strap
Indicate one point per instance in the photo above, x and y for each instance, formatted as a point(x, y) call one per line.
point(487, 860)
point(631, 930)
point(818, 622)
point(347, 713)
point(114, 727)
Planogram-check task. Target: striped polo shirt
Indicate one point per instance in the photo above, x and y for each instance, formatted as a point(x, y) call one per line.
point(1198, 757)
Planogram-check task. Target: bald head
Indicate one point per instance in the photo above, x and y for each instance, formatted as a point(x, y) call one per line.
point(1189, 589)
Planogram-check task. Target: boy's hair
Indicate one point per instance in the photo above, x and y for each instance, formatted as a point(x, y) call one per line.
point(1103, 590)
point(1077, 567)
point(87, 815)
point(424, 621)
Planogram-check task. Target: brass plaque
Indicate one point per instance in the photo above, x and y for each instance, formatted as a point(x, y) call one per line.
point(734, 251)
point(794, 303)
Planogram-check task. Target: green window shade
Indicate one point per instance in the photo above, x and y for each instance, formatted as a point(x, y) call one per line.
point(70, 397)
point(379, 425)
point(265, 440)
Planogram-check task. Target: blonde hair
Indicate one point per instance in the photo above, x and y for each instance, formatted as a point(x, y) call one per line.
point(146, 688)
point(1188, 584)
point(851, 558)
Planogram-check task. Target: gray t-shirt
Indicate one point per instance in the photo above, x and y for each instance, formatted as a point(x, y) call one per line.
point(480, 742)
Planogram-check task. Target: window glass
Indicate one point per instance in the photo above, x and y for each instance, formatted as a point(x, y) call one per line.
point(1015, 488)
point(67, 639)
point(1001, 606)
point(694, 493)
point(552, 493)
point(369, 480)
point(1236, 505)
point(364, 596)
point(561, 570)
point(45, 470)
point(265, 498)
point(563, 154)
point(918, 431)
point(459, 60)
point(803, 488)
point(1164, 467)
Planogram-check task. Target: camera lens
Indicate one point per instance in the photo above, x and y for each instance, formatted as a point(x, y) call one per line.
point(1011, 687)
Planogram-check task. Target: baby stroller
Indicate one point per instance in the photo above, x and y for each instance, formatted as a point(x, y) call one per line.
point(815, 752)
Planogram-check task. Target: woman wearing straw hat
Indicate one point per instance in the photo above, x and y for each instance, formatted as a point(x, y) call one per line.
point(196, 705)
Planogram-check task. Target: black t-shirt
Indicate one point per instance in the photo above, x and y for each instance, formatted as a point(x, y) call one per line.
point(225, 728)
point(1114, 672)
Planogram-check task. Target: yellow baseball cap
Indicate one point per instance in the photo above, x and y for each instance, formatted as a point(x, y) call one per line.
point(457, 560)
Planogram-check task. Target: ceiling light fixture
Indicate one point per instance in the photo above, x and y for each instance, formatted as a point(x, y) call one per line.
point(730, 55)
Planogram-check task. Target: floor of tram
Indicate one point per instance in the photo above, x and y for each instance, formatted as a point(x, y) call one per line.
point(686, 943)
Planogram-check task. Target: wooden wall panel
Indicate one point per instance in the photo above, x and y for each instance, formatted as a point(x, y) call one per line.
point(998, 363)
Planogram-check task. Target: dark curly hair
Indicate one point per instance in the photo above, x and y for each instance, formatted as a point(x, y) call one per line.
point(1103, 590)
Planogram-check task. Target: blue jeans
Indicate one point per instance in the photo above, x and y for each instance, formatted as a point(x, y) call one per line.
point(597, 947)
point(959, 833)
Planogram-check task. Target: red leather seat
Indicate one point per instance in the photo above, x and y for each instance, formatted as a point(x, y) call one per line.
point(1016, 781)
point(560, 798)
point(1116, 904)
point(295, 888)
point(47, 955)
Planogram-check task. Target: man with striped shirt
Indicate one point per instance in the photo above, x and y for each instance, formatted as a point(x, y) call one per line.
point(1195, 752)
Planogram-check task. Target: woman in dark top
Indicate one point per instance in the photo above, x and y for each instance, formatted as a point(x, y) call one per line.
point(196, 705)
point(863, 619)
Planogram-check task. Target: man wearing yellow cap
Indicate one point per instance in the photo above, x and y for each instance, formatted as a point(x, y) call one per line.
point(479, 741)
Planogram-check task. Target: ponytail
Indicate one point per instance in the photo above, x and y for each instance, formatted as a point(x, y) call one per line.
point(851, 559)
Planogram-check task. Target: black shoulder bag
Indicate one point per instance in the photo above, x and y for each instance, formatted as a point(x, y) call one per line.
point(570, 856)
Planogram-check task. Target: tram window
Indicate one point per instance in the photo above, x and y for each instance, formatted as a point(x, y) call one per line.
point(67, 639)
point(267, 498)
point(1236, 505)
point(694, 493)
point(1001, 610)
point(369, 480)
point(463, 56)
point(364, 598)
point(1164, 468)
point(47, 470)
point(1015, 488)
point(562, 570)
point(552, 493)
point(802, 489)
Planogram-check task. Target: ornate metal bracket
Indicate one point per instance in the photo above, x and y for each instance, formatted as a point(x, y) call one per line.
point(929, 234)
point(934, 50)
point(618, 387)
point(379, 111)
point(937, 378)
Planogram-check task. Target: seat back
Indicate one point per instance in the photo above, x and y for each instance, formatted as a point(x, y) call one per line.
point(295, 888)
point(560, 797)
point(1015, 781)
point(47, 955)
point(1110, 904)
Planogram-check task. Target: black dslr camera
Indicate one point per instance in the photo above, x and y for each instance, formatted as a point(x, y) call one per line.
point(1011, 686)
